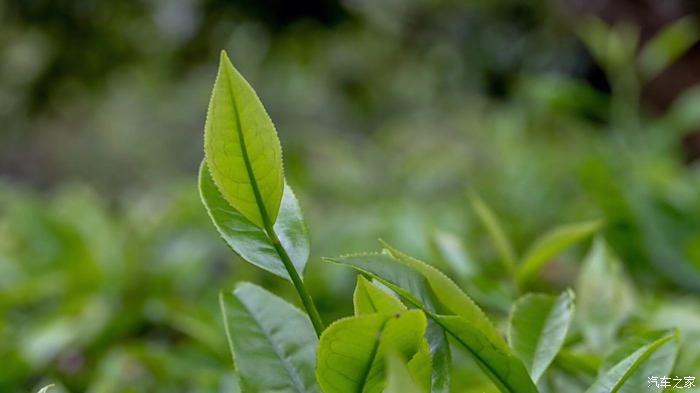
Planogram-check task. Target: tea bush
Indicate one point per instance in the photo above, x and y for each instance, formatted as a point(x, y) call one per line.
point(413, 324)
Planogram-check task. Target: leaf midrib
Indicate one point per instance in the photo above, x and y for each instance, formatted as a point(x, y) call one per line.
point(246, 159)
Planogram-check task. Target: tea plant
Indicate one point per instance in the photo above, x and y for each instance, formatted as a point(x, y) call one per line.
point(411, 322)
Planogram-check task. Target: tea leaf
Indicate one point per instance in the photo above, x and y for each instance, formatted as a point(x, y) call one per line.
point(552, 244)
point(634, 366)
point(399, 379)
point(418, 283)
point(603, 297)
point(668, 46)
point(352, 351)
point(495, 229)
point(241, 147)
point(272, 342)
point(250, 241)
point(421, 366)
point(369, 299)
point(538, 327)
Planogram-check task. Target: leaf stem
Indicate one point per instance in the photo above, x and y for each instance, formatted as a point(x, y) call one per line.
point(304, 295)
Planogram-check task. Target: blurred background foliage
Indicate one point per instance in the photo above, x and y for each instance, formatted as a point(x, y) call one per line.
point(389, 112)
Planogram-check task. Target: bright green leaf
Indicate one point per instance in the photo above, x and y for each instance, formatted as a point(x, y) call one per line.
point(250, 241)
point(352, 351)
point(504, 369)
point(418, 283)
point(634, 366)
point(411, 286)
point(399, 378)
point(272, 342)
point(421, 366)
point(495, 229)
point(552, 244)
point(369, 299)
point(537, 329)
point(241, 147)
point(603, 297)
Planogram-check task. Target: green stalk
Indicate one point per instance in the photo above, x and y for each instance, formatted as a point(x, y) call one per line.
point(297, 281)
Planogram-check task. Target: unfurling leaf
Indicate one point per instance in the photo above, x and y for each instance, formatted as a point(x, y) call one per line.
point(425, 287)
point(272, 342)
point(369, 299)
point(352, 351)
point(411, 286)
point(242, 150)
point(399, 378)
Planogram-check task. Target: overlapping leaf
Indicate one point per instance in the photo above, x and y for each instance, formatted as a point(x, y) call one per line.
point(504, 369)
point(352, 351)
point(399, 378)
point(273, 343)
point(420, 283)
point(250, 241)
point(369, 299)
point(410, 285)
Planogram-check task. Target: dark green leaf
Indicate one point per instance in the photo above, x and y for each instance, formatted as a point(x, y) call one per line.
point(504, 369)
point(272, 342)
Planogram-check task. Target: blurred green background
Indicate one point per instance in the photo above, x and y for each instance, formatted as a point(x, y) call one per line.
point(389, 112)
